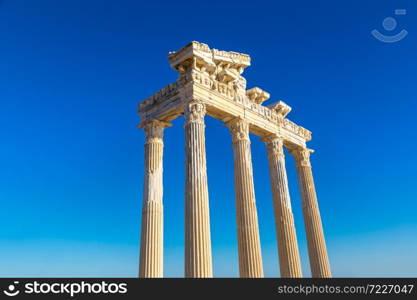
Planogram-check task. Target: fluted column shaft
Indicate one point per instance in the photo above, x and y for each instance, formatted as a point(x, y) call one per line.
point(319, 261)
point(289, 257)
point(250, 256)
point(151, 246)
point(198, 261)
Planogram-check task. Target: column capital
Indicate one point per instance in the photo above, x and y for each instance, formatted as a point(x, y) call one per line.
point(154, 129)
point(194, 112)
point(302, 156)
point(274, 145)
point(239, 129)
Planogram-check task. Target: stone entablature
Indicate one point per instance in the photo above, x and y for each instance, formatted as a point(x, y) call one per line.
point(207, 58)
point(219, 74)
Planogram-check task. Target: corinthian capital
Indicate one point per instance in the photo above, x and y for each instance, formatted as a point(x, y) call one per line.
point(302, 156)
point(194, 112)
point(274, 145)
point(154, 130)
point(239, 129)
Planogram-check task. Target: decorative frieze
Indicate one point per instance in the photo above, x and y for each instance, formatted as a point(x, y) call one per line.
point(230, 93)
point(165, 93)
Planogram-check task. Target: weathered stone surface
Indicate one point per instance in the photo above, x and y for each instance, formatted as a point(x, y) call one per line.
point(319, 261)
point(197, 218)
point(210, 82)
point(289, 257)
point(151, 246)
point(215, 77)
point(249, 245)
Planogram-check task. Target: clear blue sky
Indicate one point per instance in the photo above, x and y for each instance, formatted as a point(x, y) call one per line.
point(71, 158)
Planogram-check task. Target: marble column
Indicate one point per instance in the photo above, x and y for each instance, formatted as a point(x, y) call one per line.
point(151, 246)
point(319, 261)
point(289, 257)
point(250, 257)
point(198, 262)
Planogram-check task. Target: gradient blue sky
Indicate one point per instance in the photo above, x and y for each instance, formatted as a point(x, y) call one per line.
point(71, 158)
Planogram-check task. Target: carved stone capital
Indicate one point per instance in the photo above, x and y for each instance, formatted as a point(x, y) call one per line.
point(154, 130)
point(274, 145)
point(302, 156)
point(194, 112)
point(239, 129)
